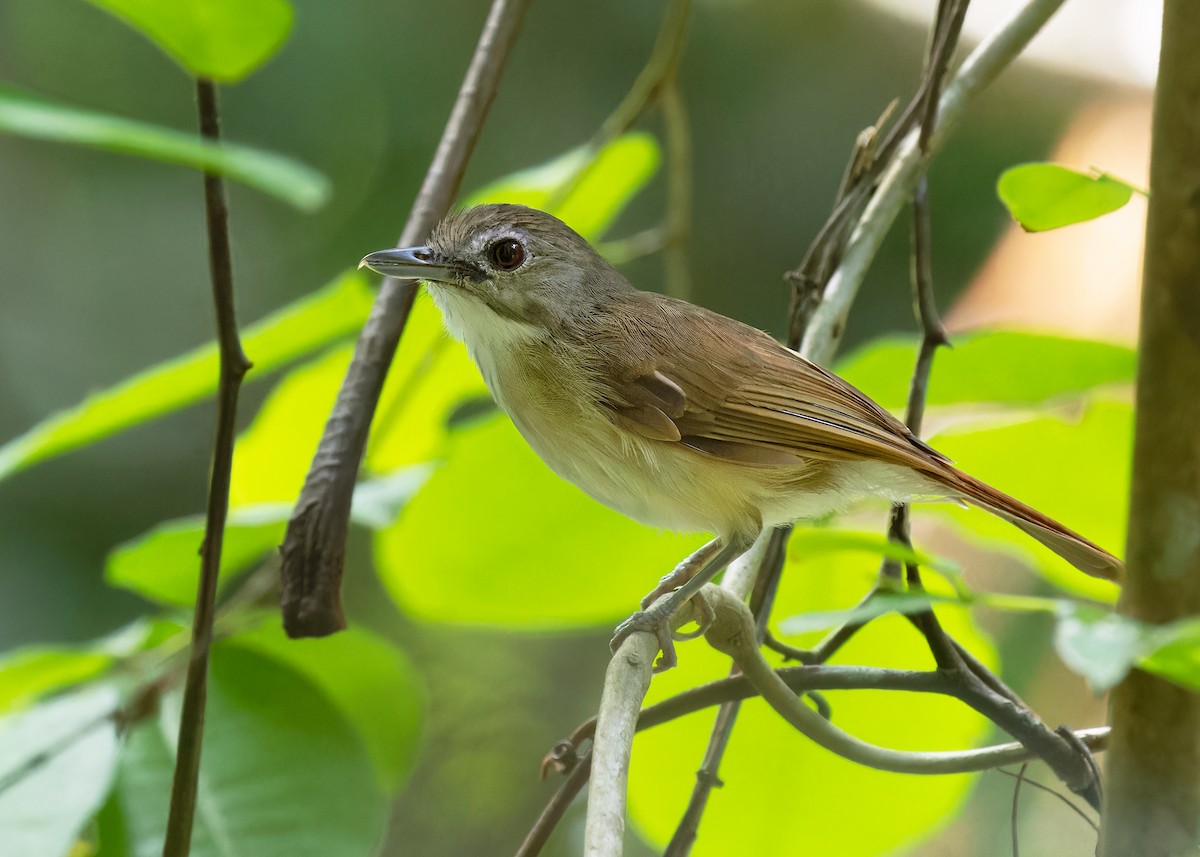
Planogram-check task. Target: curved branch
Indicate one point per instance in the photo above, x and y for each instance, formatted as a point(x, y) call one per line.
point(732, 632)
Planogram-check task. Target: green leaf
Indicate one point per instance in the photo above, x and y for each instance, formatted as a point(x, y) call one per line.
point(28, 115)
point(1003, 367)
point(494, 538)
point(370, 681)
point(284, 774)
point(332, 312)
point(30, 673)
point(1100, 645)
point(1175, 653)
point(223, 40)
point(56, 764)
point(1076, 471)
point(759, 813)
point(605, 187)
point(163, 564)
point(1047, 196)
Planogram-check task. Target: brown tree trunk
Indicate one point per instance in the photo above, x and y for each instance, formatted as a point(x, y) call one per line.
point(1152, 805)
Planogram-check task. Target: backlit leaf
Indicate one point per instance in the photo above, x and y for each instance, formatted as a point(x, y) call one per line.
point(297, 329)
point(28, 115)
point(1002, 367)
point(495, 538)
point(223, 40)
point(1047, 196)
point(1074, 470)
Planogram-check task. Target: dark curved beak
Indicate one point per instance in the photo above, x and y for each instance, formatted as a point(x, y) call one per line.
point(409, 263)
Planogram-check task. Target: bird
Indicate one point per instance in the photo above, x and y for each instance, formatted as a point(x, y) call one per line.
point(670, 413)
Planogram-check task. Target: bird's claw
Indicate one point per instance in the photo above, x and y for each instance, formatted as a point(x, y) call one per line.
point(658, 623)
point(654, 623)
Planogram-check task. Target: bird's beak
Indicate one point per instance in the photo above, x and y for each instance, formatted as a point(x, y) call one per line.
point(409, 263)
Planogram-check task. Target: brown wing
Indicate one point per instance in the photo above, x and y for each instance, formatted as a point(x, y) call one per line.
point(675, 372)
point(681, 373)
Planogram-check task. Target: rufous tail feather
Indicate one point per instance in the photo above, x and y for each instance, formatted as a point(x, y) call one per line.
point(1086, 556)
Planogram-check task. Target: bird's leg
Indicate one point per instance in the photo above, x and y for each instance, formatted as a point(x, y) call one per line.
point(657, 619)
point(683, 572)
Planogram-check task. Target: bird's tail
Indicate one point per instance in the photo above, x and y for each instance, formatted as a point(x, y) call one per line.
point(1074, 548)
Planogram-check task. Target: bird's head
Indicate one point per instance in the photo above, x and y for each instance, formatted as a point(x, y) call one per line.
point(517, 263)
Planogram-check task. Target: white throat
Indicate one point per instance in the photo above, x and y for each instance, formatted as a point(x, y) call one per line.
point(490, 338)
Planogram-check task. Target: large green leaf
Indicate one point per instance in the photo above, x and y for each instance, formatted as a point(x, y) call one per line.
point(284, 773)
point(28, 115)
point(331, 312)
point(163, 564)
point(1076, 471)
point(370, 681)
point(223, 40)
point(56, 765)
point(1048, 196)
point(778, 786)
point(495, 538)
point(1004, 367)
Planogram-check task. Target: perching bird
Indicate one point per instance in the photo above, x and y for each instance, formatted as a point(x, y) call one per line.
point(669, 413)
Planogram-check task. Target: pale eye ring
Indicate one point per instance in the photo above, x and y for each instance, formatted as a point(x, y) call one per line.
point(507, 254)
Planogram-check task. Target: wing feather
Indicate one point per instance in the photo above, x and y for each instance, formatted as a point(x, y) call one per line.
point(727, 390)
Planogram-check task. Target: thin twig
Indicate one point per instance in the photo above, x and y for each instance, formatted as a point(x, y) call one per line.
point(314, 546)
point(731, 631)
point(1054, 793)
point(895, 187)
point(1016, 842)
point(799, 680)
point(707, 779)
point(233, 368)
point(647, 88)
point(679, 189)
point(803, 680)
point(553, 812)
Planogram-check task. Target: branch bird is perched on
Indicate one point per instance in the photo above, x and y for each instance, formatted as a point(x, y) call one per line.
point(669, 413)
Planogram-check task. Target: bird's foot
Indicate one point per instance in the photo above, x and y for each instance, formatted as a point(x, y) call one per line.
point(682, 573)
point(657, 621)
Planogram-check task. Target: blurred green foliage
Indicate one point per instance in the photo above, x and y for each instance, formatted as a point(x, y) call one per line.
point(309, 741)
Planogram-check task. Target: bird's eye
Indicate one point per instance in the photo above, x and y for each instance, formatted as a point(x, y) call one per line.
point(507, 254)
